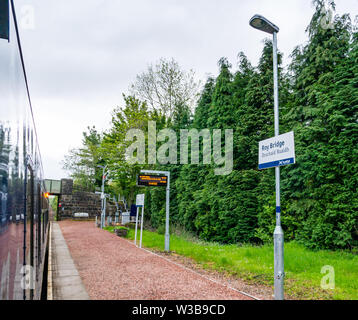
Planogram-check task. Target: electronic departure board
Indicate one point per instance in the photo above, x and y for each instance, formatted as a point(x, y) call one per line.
point(152, 181)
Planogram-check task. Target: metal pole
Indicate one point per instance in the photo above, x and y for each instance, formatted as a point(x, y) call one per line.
point(141, 228)
point(278, 233)
point(104, 210)
point(117, 209)
point(136, 227)
point(167, 236)
point(102, 199)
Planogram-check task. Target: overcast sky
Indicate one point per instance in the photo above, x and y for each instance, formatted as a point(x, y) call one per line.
point(81, 55)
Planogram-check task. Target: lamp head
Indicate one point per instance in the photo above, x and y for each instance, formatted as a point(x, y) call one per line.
point(261, 23)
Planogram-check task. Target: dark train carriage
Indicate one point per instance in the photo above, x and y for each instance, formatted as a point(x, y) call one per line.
point(23, 206)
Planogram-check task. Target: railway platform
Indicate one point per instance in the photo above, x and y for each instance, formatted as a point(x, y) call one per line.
point(64, 281)
point(91, 263)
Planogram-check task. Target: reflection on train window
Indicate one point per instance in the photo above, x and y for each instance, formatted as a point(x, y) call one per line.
point(23, 209)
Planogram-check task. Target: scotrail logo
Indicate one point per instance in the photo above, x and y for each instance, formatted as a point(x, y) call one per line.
point(285, 162)
point(214, 150)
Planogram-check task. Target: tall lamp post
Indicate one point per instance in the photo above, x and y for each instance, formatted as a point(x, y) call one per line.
point(261, 23)
point(103, 207)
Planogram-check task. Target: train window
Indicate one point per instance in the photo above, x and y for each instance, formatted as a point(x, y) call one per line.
point(38, 229)
point(32, 218)
point(23, 232)
point(4, 19)
point(29, 234)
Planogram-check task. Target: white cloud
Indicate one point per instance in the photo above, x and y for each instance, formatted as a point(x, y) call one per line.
point(83, 54)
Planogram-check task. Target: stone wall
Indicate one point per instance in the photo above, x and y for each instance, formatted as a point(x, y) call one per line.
point(66, 186)
point(81, 202)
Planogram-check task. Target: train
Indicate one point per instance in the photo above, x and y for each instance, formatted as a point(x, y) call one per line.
point(24, 205)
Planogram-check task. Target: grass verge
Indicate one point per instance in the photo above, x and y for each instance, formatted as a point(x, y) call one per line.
point(255, 264)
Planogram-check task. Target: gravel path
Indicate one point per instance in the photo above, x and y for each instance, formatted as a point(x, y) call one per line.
point(113, 268)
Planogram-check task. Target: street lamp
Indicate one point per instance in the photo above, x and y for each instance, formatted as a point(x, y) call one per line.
point(261, 23)
point(103, 205)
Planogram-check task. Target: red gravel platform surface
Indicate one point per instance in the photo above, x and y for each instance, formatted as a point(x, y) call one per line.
point(113, 268)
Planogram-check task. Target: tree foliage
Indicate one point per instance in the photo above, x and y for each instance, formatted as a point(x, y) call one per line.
point(82, 162)
point(165, 86)
point(318, 101)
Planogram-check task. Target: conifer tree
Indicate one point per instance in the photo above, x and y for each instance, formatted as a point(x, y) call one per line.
point(192, 177)
point(323, 108)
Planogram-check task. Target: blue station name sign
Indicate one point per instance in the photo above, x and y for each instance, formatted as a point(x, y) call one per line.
point(277, 151)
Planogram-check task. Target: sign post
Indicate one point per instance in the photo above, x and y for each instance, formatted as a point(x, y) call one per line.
point(152, 178)
point(141, 228)
point(103, 197)
point(136, 227)
point(139, 203)
point(116, 219)
point(274, 153)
